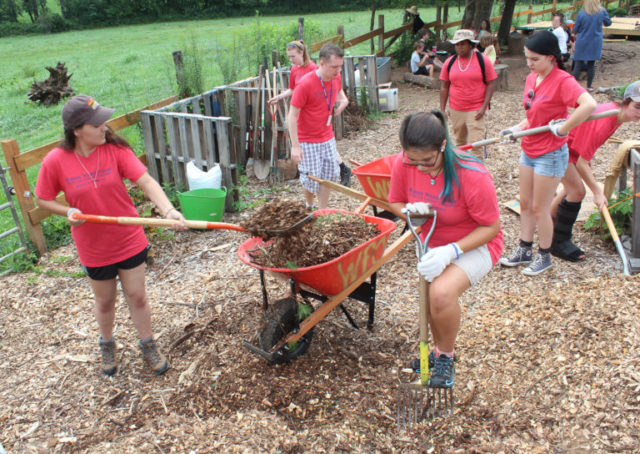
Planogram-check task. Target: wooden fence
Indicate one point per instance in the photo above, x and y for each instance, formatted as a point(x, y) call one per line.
point(19, 162)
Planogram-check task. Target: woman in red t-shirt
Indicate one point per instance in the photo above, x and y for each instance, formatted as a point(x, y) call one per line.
point(583, 143)
point(301, 65)
point(549, 91)
point(88, 167)
point(467, 239)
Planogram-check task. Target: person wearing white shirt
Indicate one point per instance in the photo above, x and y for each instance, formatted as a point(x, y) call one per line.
point(563, 38)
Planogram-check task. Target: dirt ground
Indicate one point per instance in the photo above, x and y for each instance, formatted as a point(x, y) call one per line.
point(547, 364)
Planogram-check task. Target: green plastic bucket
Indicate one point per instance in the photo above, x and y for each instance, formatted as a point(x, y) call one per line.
point(205, 204)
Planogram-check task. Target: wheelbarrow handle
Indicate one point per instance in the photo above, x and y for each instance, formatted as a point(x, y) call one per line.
point(532, 131)
point(154, 222)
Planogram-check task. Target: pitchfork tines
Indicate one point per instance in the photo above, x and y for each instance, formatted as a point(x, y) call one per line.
point(417, 403)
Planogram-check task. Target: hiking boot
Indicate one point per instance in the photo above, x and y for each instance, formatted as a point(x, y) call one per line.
point(345, 175)
point(108, 353)
point(520, 256)
point(541, 262)
point(156, 360)
point(443, 372)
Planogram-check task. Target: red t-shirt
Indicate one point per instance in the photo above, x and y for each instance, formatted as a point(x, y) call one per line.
point(316, 105)
point(474, 202)
point(97, 244)
point(551, 101)
point(587, 137)
point(467, 89)
point(297, 72)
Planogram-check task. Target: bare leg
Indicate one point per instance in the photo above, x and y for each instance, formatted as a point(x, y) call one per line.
point(543, 191)
point(444, 309)
point(323, 197)
point(527, 216)
point(104, 308)
point(134, 292)
point(309, 196)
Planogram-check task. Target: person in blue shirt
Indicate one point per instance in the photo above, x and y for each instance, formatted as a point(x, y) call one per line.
point(588, 45)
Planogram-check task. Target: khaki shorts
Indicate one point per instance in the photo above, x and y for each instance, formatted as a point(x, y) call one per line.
point(466, 129)
point(476, 263)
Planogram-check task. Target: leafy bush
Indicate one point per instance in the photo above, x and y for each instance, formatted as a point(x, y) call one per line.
point(621, 210)
point(403, 48)
point(57, 231)
point(617, 12)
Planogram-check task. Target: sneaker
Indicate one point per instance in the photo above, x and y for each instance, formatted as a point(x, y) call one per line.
point(541, 262)
point(108, 352)
point(345, 175)
point(443, 372)
point(520, 256)
point(156, 360)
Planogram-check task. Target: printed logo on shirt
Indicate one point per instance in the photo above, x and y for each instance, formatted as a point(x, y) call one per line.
point(433, 199)
point(85, 180)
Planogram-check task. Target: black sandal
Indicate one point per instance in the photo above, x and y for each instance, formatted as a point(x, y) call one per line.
point(566, 250)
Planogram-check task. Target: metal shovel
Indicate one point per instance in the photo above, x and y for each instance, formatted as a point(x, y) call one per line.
point(417, 401)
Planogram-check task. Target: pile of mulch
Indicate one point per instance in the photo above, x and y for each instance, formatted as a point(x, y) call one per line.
point(329, 237)
point(278, 214)
point(355, 118)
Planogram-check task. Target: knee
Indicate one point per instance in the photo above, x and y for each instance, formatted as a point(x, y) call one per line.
point(104, 305)
point(540, 210)
point(440, 299)
point(137, 299)
point(525, 205)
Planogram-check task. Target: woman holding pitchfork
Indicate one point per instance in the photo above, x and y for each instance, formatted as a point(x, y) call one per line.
point(88, 167)
point(467, 239)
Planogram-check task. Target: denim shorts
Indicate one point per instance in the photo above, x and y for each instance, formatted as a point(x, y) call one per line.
point(552, 164)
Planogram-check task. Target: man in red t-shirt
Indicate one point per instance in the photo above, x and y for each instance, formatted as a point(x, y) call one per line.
point(465, 88)
point(313, 145)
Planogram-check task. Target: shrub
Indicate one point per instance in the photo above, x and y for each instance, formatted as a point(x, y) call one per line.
point(621, 210)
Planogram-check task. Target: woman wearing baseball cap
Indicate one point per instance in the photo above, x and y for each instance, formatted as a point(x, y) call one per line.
point(583, 143)
point(89, 166)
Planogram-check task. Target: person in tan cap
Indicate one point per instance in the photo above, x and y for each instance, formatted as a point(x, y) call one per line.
point(468, 82)
point(89, 166)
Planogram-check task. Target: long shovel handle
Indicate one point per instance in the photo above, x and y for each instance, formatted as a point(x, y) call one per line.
point(154, 222)
point(533, 131)
point(616, 240)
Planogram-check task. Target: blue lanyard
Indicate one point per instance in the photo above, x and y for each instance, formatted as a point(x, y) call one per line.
point(325, 92)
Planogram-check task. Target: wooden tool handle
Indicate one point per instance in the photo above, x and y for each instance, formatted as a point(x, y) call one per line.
point(424, 331)
point(612, 228)
point(155, 222)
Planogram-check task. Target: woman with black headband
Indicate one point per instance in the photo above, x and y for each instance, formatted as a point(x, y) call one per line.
point(549, 91)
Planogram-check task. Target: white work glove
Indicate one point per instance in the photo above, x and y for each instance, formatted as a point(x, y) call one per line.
point(70, 212)
point(510, 132)
point(554, 125)
point(433, 263)
point(419, 212)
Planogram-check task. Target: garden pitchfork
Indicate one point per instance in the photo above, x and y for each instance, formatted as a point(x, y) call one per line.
point(416, 400)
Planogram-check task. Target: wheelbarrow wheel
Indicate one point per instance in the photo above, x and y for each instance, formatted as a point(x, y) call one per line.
point(280, 319)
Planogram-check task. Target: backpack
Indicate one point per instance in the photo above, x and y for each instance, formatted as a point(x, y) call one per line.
point(480, 61)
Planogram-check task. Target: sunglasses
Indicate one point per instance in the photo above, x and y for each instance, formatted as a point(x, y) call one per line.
point(426, 163)
point(530, 95)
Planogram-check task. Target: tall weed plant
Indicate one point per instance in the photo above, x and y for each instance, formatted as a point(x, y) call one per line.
point(192, 81)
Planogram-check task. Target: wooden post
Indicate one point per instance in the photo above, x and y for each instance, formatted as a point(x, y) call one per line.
point(24, 195)
point(445, 18)
point(373, 15)
point(301, 28)
point(380, 36)
point(341, 33)
point(529, 17)
point(177, 62)
point(555, 5)
point(275, 58)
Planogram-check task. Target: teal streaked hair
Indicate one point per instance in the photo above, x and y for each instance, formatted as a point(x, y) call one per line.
point(427, 131)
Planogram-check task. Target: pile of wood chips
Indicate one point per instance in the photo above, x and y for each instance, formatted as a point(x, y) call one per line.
point(329, 237)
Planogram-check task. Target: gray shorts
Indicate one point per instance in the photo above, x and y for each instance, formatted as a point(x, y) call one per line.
point(319, 160)
point(475, 263)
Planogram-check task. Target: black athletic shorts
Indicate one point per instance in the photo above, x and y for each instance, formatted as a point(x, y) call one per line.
point(104, 273)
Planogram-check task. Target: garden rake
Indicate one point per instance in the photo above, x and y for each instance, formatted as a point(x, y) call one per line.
point(416, 400)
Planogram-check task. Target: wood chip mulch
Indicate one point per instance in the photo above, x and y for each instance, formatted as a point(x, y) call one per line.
point(547, 364)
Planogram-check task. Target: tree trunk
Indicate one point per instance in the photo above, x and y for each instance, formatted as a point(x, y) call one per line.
point(469, 13)
point(475, 11)
point(505, 23)
point(63, 9)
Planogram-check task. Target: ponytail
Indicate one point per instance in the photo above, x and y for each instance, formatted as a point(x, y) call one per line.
point(299, 44)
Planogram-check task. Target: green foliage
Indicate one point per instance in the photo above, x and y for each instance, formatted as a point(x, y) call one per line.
point(57, 231)
point(403, 48)
point(172, 191)
point(620, 215)
point(192, 81)
point(617, 12)
point(19, 263)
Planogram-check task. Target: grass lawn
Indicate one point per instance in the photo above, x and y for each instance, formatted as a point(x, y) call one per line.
point(131, 66)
